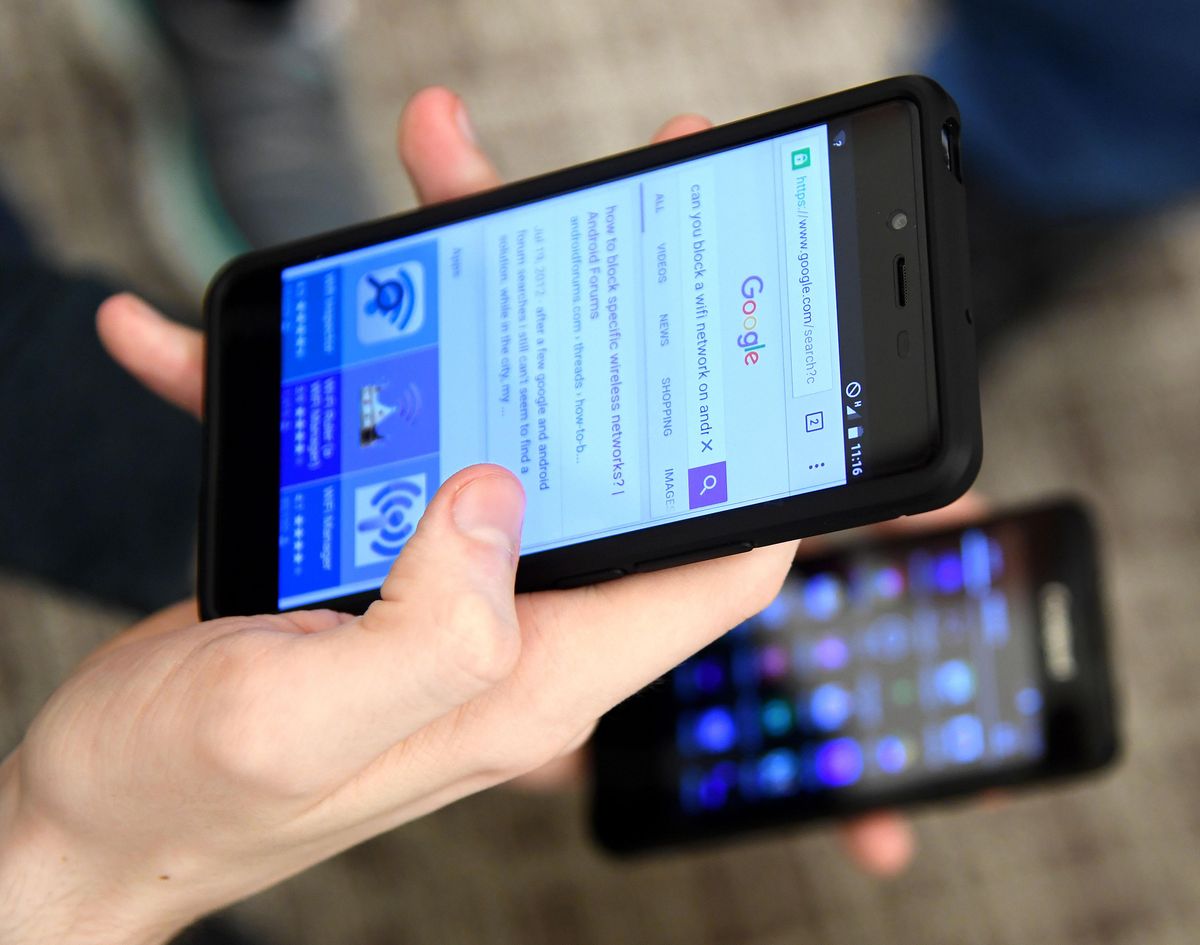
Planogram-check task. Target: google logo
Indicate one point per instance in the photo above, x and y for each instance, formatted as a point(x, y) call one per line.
point(748, 341)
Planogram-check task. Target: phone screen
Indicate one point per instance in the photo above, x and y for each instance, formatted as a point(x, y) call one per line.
point(870, 674)
point(654, 348)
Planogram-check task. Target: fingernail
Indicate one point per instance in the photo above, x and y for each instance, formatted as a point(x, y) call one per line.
point(492, 509)
point(464, 123)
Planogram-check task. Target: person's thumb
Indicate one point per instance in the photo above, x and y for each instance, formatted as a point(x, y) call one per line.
point(443, 631)
point(446, 618)
point(461, 562)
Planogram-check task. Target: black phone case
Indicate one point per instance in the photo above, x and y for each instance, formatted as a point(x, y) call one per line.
point(946, 475)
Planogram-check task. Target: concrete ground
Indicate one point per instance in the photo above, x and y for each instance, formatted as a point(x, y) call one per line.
point(1098, 398)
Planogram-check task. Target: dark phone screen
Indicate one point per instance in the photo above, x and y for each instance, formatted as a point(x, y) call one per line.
point(870, 674)
point(655, 348)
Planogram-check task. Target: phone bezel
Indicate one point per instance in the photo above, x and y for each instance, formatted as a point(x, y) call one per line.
point(1079, 714)
point(239, 523)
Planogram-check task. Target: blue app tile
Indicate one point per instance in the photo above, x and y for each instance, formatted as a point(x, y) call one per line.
point(830, 653)
point(948, 573)
point(714, 730)
point(777, 718)
point(822, 596)
point(309, 556)
point(1028, 701)
point(887, 639)
point(830, 706)
point(962, 739)
point(389, 410)
point(892, 754)
point(381, 509)
point(838, 763)
point(312, 307)
point(390, 303)
point(707, 790)
point(309, 426)
point(777, 773)
point(954, 682)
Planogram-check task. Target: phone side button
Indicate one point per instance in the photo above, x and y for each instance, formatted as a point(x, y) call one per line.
point(592, 577)
point(690, 557)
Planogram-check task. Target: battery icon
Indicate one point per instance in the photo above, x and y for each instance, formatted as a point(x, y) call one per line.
point(853, 433)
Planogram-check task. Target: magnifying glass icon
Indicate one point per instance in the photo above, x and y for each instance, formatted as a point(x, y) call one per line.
point(709, 482)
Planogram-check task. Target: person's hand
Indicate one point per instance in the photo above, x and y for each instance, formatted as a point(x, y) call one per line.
point(443, 160)
point(186, 765)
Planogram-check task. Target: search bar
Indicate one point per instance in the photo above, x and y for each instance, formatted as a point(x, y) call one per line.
point(808, 240)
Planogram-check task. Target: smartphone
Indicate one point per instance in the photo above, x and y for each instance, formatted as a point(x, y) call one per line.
point(885, 674)
point(751, 334)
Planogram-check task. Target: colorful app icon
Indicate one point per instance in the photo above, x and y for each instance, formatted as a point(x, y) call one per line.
point(887, 638)
point(962, 739)
point(889, 583)
point(777, 773)
point(893, 754)
point(772, 663)
point(714, 730)
point(385, 516)
point(1004, 739)
point(838, 763)
point(1028, 701)
point(391, 303)
point(822, 596)
point(830, 653)
point(955, 682)
point(777, 718)
point(801, 158)
point(904, 692)
point(948, 573)
point(702, 790)
point(830, 706)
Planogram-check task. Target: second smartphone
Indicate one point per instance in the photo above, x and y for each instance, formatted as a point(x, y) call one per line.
point(884, 674)
point(752, 334)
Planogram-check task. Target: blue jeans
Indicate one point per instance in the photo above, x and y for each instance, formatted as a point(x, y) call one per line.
point(1076, 108)
point(100, 479)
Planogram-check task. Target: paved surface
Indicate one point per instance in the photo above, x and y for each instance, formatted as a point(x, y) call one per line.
point(1099, 398)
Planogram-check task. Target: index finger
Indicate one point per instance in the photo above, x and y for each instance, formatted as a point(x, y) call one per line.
point(165, 356)
point(437, 146)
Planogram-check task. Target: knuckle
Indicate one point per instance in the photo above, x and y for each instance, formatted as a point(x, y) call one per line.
point(244, 754)
point(481, 645)
point(236, 735)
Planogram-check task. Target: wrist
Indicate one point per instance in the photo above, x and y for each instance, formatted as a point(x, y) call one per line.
point(53, 891)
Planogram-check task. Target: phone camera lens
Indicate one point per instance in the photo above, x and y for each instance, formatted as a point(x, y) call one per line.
point(898, 220)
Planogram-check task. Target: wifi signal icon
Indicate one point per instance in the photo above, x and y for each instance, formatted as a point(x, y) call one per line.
point(409, 406)
point(385, 516)
point(390, 302)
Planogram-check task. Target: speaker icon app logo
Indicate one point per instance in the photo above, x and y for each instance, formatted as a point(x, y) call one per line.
point(385, 516)
point(391, 303)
